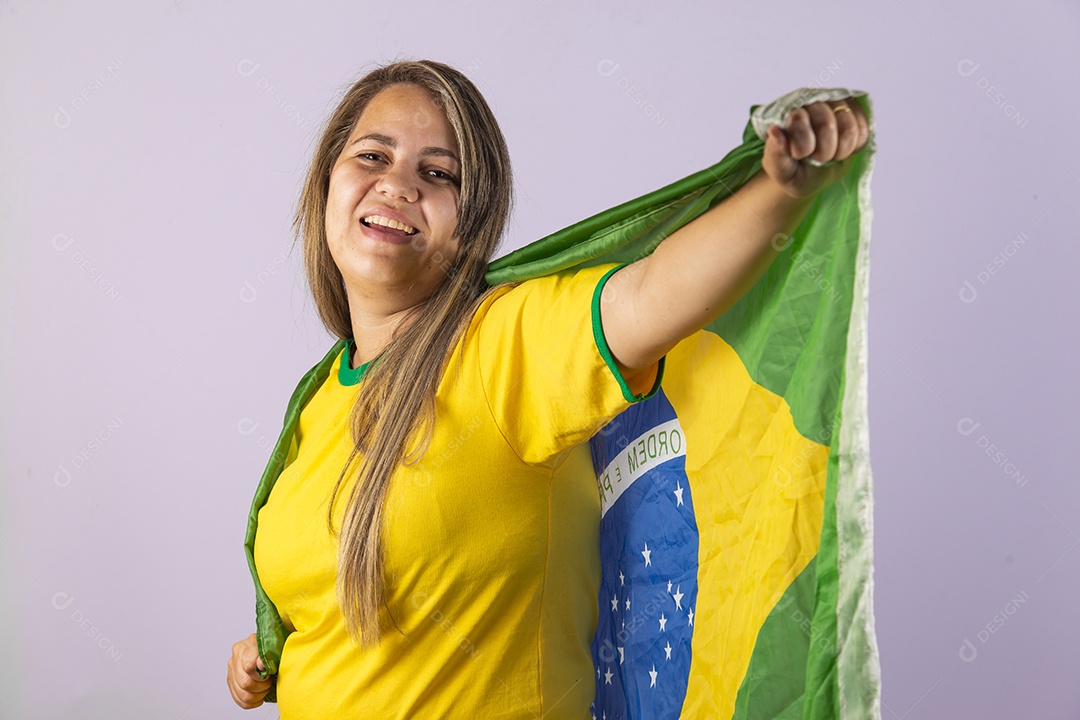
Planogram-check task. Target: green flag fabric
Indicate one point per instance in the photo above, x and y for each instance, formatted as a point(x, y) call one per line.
point(747, 474)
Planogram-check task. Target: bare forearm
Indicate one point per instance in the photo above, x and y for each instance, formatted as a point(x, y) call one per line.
point(699, 272)
point(703, 269)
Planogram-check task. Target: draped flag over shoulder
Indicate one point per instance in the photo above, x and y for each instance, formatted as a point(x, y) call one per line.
point(736, 532)
point(737, 508)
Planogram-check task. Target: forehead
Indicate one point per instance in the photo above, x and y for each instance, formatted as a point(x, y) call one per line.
point(406, 112)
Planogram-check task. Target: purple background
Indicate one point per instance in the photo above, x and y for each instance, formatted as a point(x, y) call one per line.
point(156, 319)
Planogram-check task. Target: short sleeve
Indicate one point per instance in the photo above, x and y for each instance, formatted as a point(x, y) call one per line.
point(550, 380)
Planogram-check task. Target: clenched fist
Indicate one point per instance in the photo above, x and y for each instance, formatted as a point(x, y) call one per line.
point(829, 132)
point(245, 683)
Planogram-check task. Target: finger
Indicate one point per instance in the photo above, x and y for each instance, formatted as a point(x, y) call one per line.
point(864, 129)
point(254, 685)
point(249, 684)
point(251, 661)
point(781, 143)
point(847, 130)
point(251, 679)
point(861, 122)
point(243, 697)
point(247, 700)
point(800, 134)
point(246, 677)
point(823, 120)
point(777, 160)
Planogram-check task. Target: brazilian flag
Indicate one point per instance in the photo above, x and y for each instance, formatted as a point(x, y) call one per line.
point(736, 542)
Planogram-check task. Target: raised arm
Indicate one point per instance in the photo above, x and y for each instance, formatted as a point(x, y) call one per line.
point(702, 269)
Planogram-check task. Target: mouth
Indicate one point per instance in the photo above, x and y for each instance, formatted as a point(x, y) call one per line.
point(389, 225)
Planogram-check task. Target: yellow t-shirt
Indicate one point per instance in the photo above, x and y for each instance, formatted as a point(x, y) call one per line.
point(491, 541)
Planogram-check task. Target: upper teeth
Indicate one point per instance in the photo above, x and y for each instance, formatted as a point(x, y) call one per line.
point(387, 222)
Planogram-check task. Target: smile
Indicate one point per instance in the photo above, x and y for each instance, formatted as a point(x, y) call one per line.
point(385, 222)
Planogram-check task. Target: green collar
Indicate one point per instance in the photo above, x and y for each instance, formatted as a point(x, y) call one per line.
point(347, 374)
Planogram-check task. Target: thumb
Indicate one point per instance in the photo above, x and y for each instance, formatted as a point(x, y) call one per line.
point(777, 160)
point(259, 664)
point(778, 136)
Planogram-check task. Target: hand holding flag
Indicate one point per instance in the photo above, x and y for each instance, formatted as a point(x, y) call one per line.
point(826, 134)
point(737, 556)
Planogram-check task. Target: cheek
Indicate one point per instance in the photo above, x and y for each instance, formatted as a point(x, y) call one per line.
point(345, 189)
point(447, 213)
point(340, 204)
point(334, 201)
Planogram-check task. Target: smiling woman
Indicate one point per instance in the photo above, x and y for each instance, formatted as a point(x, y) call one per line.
point(391, 211)
point(462, 569)
point(468, 408)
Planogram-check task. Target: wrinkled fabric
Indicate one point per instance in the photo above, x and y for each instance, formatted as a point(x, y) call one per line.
point(736, 545)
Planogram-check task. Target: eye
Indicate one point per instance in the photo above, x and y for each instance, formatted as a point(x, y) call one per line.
point(372, 156)
point(442, 175)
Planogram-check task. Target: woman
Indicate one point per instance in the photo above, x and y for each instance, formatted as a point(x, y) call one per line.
point(432, 546)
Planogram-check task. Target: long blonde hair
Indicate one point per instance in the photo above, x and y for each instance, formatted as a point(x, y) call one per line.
point(397, 396)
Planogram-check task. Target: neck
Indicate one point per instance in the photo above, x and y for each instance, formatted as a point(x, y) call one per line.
point(374, 327)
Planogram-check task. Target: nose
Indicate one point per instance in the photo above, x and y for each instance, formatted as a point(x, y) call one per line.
point(398, 182)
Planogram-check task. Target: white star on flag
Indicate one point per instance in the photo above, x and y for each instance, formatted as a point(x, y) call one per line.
point(651, 509)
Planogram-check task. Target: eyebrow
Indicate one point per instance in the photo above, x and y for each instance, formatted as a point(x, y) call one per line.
point(391, 143)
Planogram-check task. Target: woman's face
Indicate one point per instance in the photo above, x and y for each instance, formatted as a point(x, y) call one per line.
point(398, 168)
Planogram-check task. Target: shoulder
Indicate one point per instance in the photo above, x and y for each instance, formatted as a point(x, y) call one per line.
point(559, 288)
point(551, 311)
